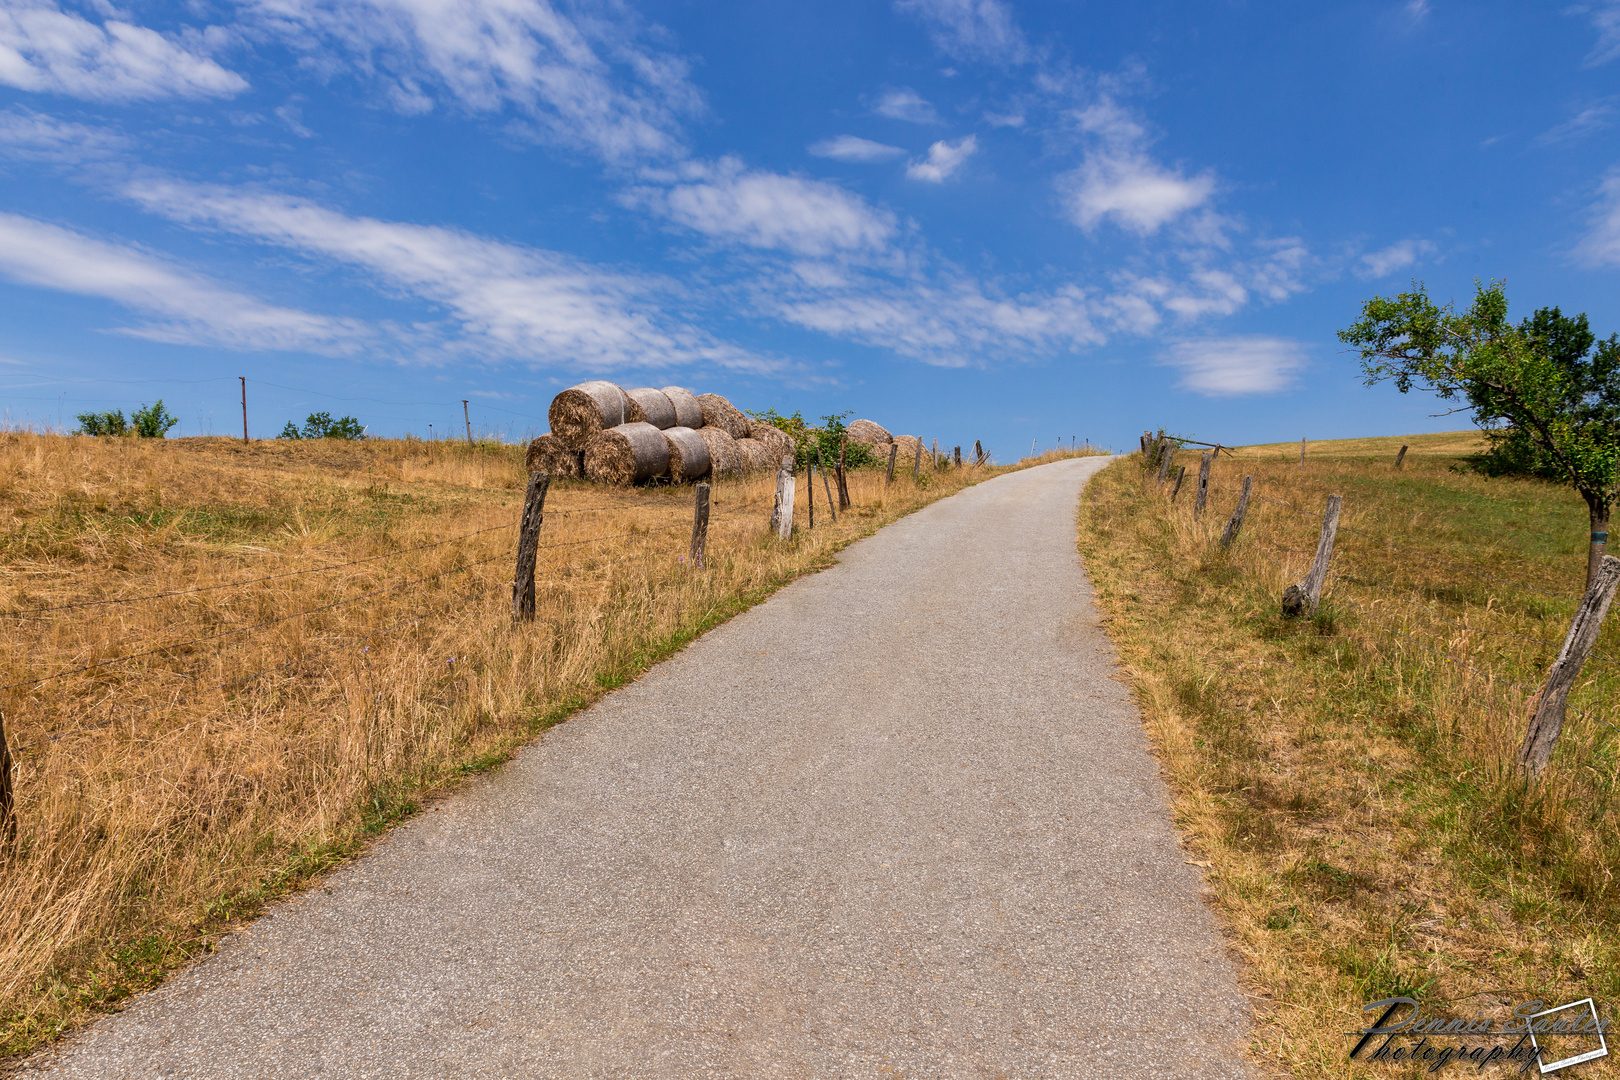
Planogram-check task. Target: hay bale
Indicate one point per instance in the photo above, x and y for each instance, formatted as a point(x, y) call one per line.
point(688, 455)
point(725, 460)
point(627, 454)
point(581, 412)
point(688, 410)
point(549, 454)
point(864, 431)
point(720, 413)
point(909, 445)
point(649, 406)
point(778, 440)
point(757, 457)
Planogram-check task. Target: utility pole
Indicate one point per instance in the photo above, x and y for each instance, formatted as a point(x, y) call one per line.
point(467, 418)
point(244, 407)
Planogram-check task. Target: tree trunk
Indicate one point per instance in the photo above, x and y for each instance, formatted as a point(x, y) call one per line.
point(1600, 538)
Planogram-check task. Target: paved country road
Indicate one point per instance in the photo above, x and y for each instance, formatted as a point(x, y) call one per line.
point(897, 821)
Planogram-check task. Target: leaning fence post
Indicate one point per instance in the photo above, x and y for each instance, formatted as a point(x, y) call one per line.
point(894, 452)
point(782, 511)
point(1203, 485)
point(8, 814)
point(1164, 462)
point(1181, 474)
point(1400, 457)
point(1303, 598)
point(700, 525)
point(978, 453)
point(1547, 721)
point(534, 503)
point(1236, 521)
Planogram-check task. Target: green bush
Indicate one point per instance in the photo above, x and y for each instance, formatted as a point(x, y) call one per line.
point(103, 423)
point(826, 440)
point(321, 426)
point(152, 421)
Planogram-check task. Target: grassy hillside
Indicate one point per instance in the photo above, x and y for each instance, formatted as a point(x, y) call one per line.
point(225, 665)
point(1347, 778)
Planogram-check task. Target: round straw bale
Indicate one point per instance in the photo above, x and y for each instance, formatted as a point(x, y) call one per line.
point(720, 413)
point(688, 455)
point(724, 458)
point(688, 412)
point(757, 457)
point(864, 431)
point(580, 412)
point(627, 454)
point(774, 437)
point(549, 454)
point(649, 406)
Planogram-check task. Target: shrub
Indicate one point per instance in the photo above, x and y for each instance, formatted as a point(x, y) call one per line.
point(321, 426)
point(152, 421)
point(103, 423)
point(808, 441)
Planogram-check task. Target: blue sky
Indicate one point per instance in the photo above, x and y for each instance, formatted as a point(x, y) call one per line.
point(961, 218)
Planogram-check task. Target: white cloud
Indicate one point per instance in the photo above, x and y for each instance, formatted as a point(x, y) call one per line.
point(1605, 17)
point(944, 158)
point(1601, 246)
point(905, 104)
point(46, 50)
point(1398, 256)
point(767, 210)
point(508, 301)
point(1234, 366)
point(971, 29)
point(1590, 119)
point(1118, 179)
point(584, 81)
point(30, 136)
point(1011, 120)
point(854, 148)
point(195, 310)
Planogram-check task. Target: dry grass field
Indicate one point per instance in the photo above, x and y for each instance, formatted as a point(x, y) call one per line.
point(1347, 778)
point(226, 665)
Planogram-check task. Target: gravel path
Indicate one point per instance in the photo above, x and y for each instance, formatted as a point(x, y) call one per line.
point(897, 821)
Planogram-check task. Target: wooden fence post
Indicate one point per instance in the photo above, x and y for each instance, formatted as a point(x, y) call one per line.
point(978, 453)
point(1400, 457)
point(534, 504)
point(1302, 451)
point(700, 525)
point(958, 457)
point(1236, 521)
point(810, 490)
point(8, 805)
point(1164, 462)
point(933, 457)
point(782, 512)
point(832, 504)
point(916, 462)
point(843, 478)
point(894, 452)
point(1547, 719)
point(1302, 599)
point(1203, 485)
point(1181, 474)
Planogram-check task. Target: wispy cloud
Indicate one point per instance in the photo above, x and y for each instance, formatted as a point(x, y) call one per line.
point(1605, 16)
point(855, 148)
point(971, 29)
point(586, 82)
point(906, 104)
point(943, 159)
point(1119, 181)
point(1601, 245)
point(1590, 119)
point(728, 202)
point(30, 136)
point(1395, 257)
point(1236, 366)
point(507, 301)
point(191, 309)
point(46, 50)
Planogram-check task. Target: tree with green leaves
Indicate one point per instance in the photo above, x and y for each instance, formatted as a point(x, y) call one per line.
point(321, 426)
point(103, 423)
point(1545, 391)
point(152, 421)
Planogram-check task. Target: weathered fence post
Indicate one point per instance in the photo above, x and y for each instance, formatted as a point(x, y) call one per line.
point(934, 456)
point(958, 457)
point(1181, 474)
point(894, 452)
point(1547, 719)
point(1302, 599)
point(1236, 521)
point(916, 462)
point(700, 525)
point(8, 805)
point(534, 504)
point(843, 478)
point(1164, 462)
point(978, 453)
point(1400, 457)
point(782, 512)
point(1203, 485)
point(832, 505)
point(1302, 451)
point(810, 491)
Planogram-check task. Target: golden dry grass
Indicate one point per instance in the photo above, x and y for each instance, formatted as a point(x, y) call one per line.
point(190, 747)
point(1347, 778)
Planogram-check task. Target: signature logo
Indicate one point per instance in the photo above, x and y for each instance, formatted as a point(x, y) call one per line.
point(1549, 1039)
